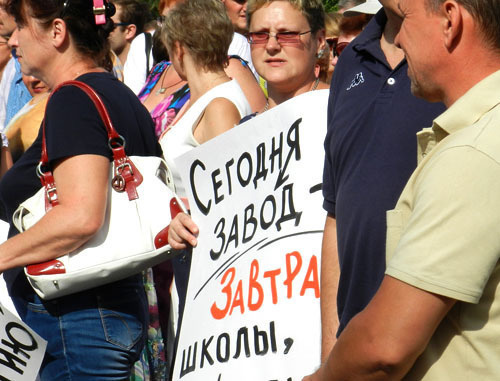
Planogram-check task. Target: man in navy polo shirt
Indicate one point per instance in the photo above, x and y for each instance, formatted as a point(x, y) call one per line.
point(371, 151)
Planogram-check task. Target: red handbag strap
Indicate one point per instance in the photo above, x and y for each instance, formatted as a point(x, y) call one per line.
point(126, 176)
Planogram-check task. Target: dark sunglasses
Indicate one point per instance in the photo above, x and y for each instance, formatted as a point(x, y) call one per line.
point(121, 24)
point(339, 48)
point(332, 42)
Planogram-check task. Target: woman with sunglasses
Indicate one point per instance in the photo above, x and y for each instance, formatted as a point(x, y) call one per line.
point(287, 37)
point(99, 333)
point(332, 31)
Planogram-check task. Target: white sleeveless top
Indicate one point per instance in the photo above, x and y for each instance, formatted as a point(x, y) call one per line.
point(179, 138)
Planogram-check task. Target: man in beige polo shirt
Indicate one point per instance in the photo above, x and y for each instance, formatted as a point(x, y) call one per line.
point(436, 315)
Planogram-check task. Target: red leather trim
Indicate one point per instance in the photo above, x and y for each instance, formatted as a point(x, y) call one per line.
point(131, 175)
point(175, 208)
point(161, 238)
point(46, 268)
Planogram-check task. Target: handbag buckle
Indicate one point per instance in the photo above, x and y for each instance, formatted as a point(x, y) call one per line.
point(118, 183)
point(51, 194)
point(120, 168)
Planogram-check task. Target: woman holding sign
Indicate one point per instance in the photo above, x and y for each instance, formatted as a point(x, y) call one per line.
point(287, 37)
point(197, 34)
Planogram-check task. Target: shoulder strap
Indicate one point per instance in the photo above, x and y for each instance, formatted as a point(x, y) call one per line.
point(126, 176)
point(113, 136)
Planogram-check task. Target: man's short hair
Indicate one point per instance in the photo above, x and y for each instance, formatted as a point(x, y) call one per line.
point(134, 12)
point(485, 12)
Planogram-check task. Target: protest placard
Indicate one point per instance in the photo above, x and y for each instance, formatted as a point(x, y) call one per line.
point(21, 349)
point(252, 306)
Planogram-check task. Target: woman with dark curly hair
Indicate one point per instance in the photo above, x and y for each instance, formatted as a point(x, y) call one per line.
point(96, 334)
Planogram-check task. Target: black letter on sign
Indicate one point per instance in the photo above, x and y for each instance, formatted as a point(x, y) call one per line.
point(204, 209)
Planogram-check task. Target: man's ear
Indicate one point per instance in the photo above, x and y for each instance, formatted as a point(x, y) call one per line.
point(59, 32)
point(452, 24)
point(130, 32)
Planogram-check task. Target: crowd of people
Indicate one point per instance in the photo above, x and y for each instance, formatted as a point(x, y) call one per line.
point(410, 255)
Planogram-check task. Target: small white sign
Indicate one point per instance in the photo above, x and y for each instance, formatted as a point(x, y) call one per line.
point(21, 349)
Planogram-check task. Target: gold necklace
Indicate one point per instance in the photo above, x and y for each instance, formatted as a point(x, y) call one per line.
point(162, 89)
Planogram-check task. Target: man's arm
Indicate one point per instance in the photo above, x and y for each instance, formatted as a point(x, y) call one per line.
point(383, 341)
point(330, 272)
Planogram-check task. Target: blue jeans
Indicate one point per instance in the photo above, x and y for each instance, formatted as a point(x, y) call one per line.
point(92, 335)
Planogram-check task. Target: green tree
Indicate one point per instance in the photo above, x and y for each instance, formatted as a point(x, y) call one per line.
point(330, 5)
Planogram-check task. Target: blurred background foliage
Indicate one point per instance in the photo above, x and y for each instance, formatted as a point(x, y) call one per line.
point(330, 6)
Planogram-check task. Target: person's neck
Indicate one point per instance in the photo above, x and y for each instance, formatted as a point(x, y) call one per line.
point(393, 54)
point(470, 72)
point(70, 68)
point(202, 81)
point(278, 96)
point(123, 54)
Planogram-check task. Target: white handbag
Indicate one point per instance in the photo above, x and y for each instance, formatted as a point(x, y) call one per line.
point(134, 234)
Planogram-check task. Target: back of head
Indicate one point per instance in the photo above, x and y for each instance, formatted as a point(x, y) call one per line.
point(486, 14)
point(354, 25)
point(312, 10)
point(134, 12)
point(332, 24)
point(203, 27)
point(90, 40)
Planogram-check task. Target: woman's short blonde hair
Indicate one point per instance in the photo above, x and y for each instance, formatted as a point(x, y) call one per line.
point(312, 10)
point(332, 24)
point(203, 27)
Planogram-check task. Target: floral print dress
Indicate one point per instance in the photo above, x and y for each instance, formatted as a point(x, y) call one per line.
point(164, 112)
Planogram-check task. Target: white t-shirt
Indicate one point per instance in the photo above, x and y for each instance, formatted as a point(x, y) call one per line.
point(134, 70)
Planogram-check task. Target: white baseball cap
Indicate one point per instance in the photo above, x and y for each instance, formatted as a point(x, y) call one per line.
point(368, 7)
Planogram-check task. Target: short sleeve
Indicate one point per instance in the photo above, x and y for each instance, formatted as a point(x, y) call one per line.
point(451, 243)
point(73, 126)
point(328, 187)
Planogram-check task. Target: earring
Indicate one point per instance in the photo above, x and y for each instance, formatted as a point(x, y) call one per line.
point(320, 54)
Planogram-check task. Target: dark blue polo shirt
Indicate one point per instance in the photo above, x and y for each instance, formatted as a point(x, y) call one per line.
point(370, 152)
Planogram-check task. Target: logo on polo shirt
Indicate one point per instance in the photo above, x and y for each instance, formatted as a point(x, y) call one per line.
point(358, 79)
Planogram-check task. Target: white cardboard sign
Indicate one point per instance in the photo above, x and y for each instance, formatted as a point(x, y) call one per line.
point(252, 306)
point(21, 349)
